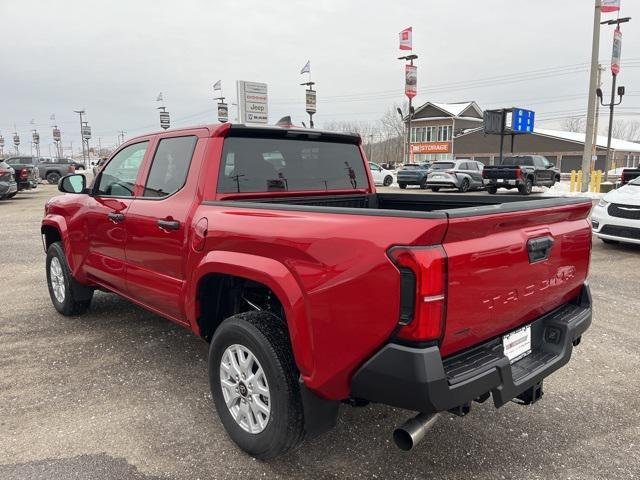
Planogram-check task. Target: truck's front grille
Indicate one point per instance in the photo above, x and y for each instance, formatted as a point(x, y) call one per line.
point(624, 232)
point(624, 211)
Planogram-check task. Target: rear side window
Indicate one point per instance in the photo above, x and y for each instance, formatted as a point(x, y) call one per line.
point(170, 166)
point(118, 177)
point(272, 165)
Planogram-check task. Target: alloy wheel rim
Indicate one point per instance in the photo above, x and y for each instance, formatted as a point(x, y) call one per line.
point(245, 388)
point(57, 279)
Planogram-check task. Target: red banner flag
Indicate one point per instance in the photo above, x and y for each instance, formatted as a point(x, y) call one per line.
point(610, 6)
point(406, 40)
point(617, 51)
point(411, 81)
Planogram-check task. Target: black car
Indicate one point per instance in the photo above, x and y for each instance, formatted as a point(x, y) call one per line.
point(8, 185)
point(522, 172)
point(413, 174)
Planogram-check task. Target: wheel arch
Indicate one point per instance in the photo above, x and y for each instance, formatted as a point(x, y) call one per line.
point(220, 269)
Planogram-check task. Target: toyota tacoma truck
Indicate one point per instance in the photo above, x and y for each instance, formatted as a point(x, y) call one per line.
point(522, 172)
point(312, 289)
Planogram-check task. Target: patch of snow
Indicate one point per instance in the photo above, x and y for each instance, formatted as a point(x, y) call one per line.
point(563, 189)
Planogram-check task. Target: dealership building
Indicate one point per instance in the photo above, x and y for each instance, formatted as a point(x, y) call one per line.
point(446, 131)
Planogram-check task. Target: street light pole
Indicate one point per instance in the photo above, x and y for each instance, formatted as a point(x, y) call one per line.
point(410, 58)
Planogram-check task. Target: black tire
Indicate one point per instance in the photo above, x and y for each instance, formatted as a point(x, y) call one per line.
point(492, 190)
point(402, 185)
point(465, 185)
point(77, 297)
point(610, 242)
point(53, 178)
point(388, 180)
point(435, 189)
point(11, 195)
point(526, 188)
point(266, 337)
point(423, 184)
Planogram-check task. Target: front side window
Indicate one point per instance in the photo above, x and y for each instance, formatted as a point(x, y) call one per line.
point(170, 166)
point(272, 165)
point(118, 177)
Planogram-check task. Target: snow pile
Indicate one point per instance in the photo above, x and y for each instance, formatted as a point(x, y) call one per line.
point(562, 189)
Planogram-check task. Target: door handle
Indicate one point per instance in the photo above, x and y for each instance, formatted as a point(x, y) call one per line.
point(539, 248)
point(168, 224)
point(116, 217)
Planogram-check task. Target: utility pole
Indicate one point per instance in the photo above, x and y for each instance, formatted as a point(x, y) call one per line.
point(121, 134)
point(410, 92)
point(615, 69)
point(404, 135)
point(591, 105)
point(81, 113)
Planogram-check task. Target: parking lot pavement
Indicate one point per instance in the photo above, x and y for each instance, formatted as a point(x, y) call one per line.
point(122, 393)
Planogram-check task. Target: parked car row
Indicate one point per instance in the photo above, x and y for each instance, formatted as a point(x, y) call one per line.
point(522, 172)
point(47, 169)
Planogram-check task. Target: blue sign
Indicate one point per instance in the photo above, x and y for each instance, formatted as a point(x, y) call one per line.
point(522, 120)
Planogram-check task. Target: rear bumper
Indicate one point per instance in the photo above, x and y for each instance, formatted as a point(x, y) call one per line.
point(419, 379)
point(505, 183)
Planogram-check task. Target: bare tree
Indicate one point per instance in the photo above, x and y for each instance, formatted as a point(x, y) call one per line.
point(574, 124)
point(626, 130)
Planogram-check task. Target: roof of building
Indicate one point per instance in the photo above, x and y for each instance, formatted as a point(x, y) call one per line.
point(452, 109)
point(578, 137)
point(616, 143)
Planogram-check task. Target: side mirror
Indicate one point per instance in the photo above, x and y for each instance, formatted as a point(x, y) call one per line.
point(73, 183)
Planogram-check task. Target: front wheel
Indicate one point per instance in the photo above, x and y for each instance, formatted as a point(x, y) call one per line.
point(53, 177)
point(67, 295)
point(492, 190)
point(435, 189)
point(388, 180)
point(402, 185)
point(254, 384)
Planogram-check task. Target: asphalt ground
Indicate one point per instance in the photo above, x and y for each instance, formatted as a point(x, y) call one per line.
point(122, 393)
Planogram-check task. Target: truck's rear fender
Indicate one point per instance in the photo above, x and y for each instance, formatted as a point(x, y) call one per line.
point(270, 273)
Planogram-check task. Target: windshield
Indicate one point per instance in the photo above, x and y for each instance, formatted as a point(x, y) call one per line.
point(442, 165)
point(275, 165)
point(411, 166)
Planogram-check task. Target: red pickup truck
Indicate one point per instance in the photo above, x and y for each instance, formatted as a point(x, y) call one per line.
point(314, 290)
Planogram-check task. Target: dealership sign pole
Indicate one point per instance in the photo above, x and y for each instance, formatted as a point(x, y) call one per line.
point(410, 79)
point(253, 102)
point(310, 93)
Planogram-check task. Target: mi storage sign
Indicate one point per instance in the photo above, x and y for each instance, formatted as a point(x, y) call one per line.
point(252, 102)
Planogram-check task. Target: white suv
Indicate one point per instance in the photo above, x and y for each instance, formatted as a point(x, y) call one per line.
point(617, 217)
point(380, 175)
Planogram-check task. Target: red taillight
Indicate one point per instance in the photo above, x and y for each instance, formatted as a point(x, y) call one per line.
point(451, 172)
point(24, 173)
point(484, 174)
point(429, 266)
point(622, 177)
point(518, 172)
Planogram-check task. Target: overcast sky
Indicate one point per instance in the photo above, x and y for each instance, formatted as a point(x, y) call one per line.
point(113, 57)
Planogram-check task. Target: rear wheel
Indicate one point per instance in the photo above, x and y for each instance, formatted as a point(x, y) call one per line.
point(465, 185)
point(388, 180)
point(11, 195)
point(67, 295)
point(254, 384)
point(526, 188)
point(423, 184)
point(492, 190)
point(53, 177)
point(610, 242)
point(435, 189)
point(402, 185)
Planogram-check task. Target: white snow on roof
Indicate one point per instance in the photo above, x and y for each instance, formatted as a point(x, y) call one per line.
point(616, 144)
point(454, 109)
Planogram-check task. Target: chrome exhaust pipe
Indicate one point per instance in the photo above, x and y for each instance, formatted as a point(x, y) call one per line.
point(413, 430)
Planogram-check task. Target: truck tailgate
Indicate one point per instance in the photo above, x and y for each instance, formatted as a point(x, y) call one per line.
point(500, 171)
point(496, 284)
